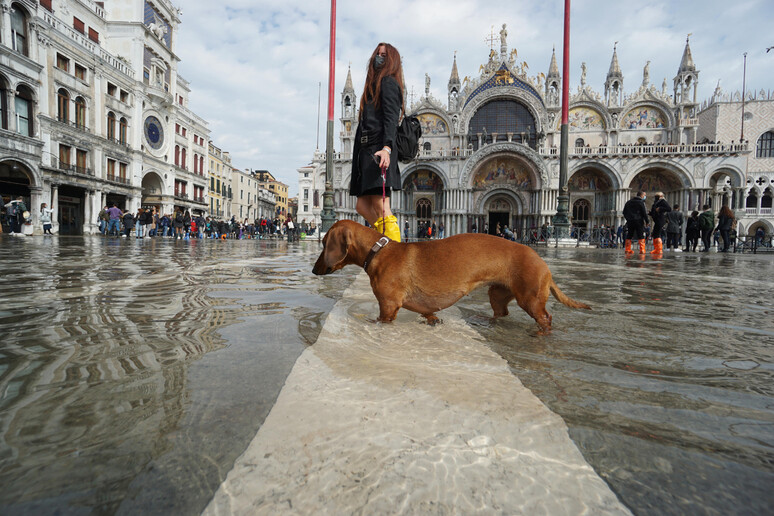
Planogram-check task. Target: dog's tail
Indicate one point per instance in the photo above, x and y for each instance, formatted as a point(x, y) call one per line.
point(562, 298)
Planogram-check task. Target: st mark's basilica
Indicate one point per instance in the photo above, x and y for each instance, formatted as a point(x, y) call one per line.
point(490, 154)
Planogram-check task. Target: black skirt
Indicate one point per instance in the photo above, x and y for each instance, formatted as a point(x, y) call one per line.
point(367, 175)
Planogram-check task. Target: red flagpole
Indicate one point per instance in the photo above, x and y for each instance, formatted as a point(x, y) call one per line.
point(332, 61)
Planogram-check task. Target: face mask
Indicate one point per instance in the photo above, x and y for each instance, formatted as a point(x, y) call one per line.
point(378, 61)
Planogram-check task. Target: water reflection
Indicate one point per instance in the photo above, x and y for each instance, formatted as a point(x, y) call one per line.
point(115, 363)
point(667, 385)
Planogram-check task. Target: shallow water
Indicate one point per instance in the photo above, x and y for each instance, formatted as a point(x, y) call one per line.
point(667, 385)
point(133, 373)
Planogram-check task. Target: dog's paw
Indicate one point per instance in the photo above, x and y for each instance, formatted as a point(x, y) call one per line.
point(432, 320)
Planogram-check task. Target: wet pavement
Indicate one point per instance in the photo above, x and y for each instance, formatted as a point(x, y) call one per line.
point(134, 373)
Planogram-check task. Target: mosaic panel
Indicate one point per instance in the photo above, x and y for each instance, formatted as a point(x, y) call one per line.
point(502, 171)
point(432, 125)
point(643, 118)
point(584, 119)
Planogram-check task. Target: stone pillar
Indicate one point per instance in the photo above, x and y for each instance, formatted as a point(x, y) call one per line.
point(87, 200)
point(36, 198)
point(55, 208)
point(6, 8)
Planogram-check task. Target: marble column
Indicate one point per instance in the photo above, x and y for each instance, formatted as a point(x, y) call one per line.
point(55, 208)
point(87, 199)
point(6, 8)
point(36, 198)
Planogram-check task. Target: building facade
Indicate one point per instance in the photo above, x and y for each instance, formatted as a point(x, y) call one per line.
point(94, 111)
point(220, 181)
point(278, 188)
point(490, 153)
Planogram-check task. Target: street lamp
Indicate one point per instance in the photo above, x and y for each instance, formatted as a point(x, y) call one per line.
point(328, 216)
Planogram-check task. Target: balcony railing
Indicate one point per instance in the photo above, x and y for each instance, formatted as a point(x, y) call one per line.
point(649, 149)
point(73, 169)
point(181, 195)
point(69, 123)
point(119, 179)
point(199, 199)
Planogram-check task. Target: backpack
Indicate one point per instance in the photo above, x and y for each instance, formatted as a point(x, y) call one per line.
point(179, 217)
point(706, 221)
point(13, 211)
point(407, 139)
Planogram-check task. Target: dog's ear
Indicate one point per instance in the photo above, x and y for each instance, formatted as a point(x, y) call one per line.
point(336, 246)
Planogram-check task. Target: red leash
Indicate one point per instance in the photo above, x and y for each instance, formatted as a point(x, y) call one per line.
point(384, 195)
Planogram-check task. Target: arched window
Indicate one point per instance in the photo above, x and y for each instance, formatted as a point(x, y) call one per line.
point(752, 200)
point(177, 155)
point(19, 29)
point(80, 113)
point(196, 164)
point(765, 145)
point(122, 130)
point(63, 105)
point(3, 103)
point(766, 199)
point(503, 117)
point(23, 107)
point(424, 209)
point(426, 146)
point(580, 143)
point(182, 157)
point(580, 210)
point(111, 126)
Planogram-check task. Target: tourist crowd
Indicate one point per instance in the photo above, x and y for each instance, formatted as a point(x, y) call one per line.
point(149, 223)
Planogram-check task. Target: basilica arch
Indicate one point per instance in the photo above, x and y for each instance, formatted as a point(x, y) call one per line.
point(152, 190)
point(422, 195)
point(593, 189)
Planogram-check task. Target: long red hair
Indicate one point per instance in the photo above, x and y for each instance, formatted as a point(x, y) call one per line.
point(392, 67)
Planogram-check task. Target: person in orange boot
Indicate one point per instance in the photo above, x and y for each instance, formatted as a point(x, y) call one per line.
point(635, 214)
point(381, 105)
point(658, 214)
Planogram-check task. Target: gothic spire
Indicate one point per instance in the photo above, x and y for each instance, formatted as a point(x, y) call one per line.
point(455, 77)
point(615, 69)
point(553, 68)
point(348, 84)
point(686, 65)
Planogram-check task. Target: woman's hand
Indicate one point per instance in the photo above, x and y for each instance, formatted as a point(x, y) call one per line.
point(383, 157)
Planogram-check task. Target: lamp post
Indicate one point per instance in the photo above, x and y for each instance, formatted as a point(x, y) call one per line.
point(561, 221)
point(328, 216)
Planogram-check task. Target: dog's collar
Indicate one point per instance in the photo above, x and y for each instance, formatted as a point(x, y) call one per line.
point(375, 249)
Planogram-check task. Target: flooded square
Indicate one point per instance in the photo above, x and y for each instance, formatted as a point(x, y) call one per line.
point(134, 373)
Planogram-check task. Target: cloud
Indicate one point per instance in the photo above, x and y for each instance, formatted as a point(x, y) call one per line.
point(255, 66)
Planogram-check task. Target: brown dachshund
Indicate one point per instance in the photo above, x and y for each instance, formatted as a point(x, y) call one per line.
point(426, 277)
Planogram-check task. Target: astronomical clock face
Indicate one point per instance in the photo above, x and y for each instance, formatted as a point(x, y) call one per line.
point(154, 133)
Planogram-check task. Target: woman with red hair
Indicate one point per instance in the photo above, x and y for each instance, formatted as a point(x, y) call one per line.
point(381, 106)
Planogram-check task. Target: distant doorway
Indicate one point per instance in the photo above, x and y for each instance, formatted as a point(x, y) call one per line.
point(496, 217)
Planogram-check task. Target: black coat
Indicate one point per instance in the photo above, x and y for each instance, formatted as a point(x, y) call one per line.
point(659, 210)
point(634, 210)
point(377, 129)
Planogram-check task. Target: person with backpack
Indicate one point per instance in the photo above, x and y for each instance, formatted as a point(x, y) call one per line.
point(165, 223)
point(14, 214)
point(706, 224)
point(177, 221)
point(674, 228)
point(636, 215)
point(725, 222)
point(104, 217)
point(381, 105)
point(658, 213)
point(692, 232)
point(128, 223)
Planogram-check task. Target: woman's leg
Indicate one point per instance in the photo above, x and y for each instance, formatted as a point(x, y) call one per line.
point(370, 208)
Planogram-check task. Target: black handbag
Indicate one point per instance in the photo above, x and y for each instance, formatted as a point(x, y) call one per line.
point(407, 138)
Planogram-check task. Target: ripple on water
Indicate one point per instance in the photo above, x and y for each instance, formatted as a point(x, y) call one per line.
point(667, 385)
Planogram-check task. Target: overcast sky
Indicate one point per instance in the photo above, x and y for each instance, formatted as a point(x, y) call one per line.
point(255, 65)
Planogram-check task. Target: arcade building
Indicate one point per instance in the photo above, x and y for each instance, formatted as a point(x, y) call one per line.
point(490, 153)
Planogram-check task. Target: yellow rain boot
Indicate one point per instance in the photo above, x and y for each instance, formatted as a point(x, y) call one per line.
point(378, 225)
point(391, 229)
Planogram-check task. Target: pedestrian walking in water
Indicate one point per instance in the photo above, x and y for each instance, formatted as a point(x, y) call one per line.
point(14, 211)
point(45, 218)
point(674, 228)
point(658, 213)
point(725, 221)
point(381, 106)
point(128, 223)
point(635, 214)
point(178, 223)
point(692, 232)
point(706, 223)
